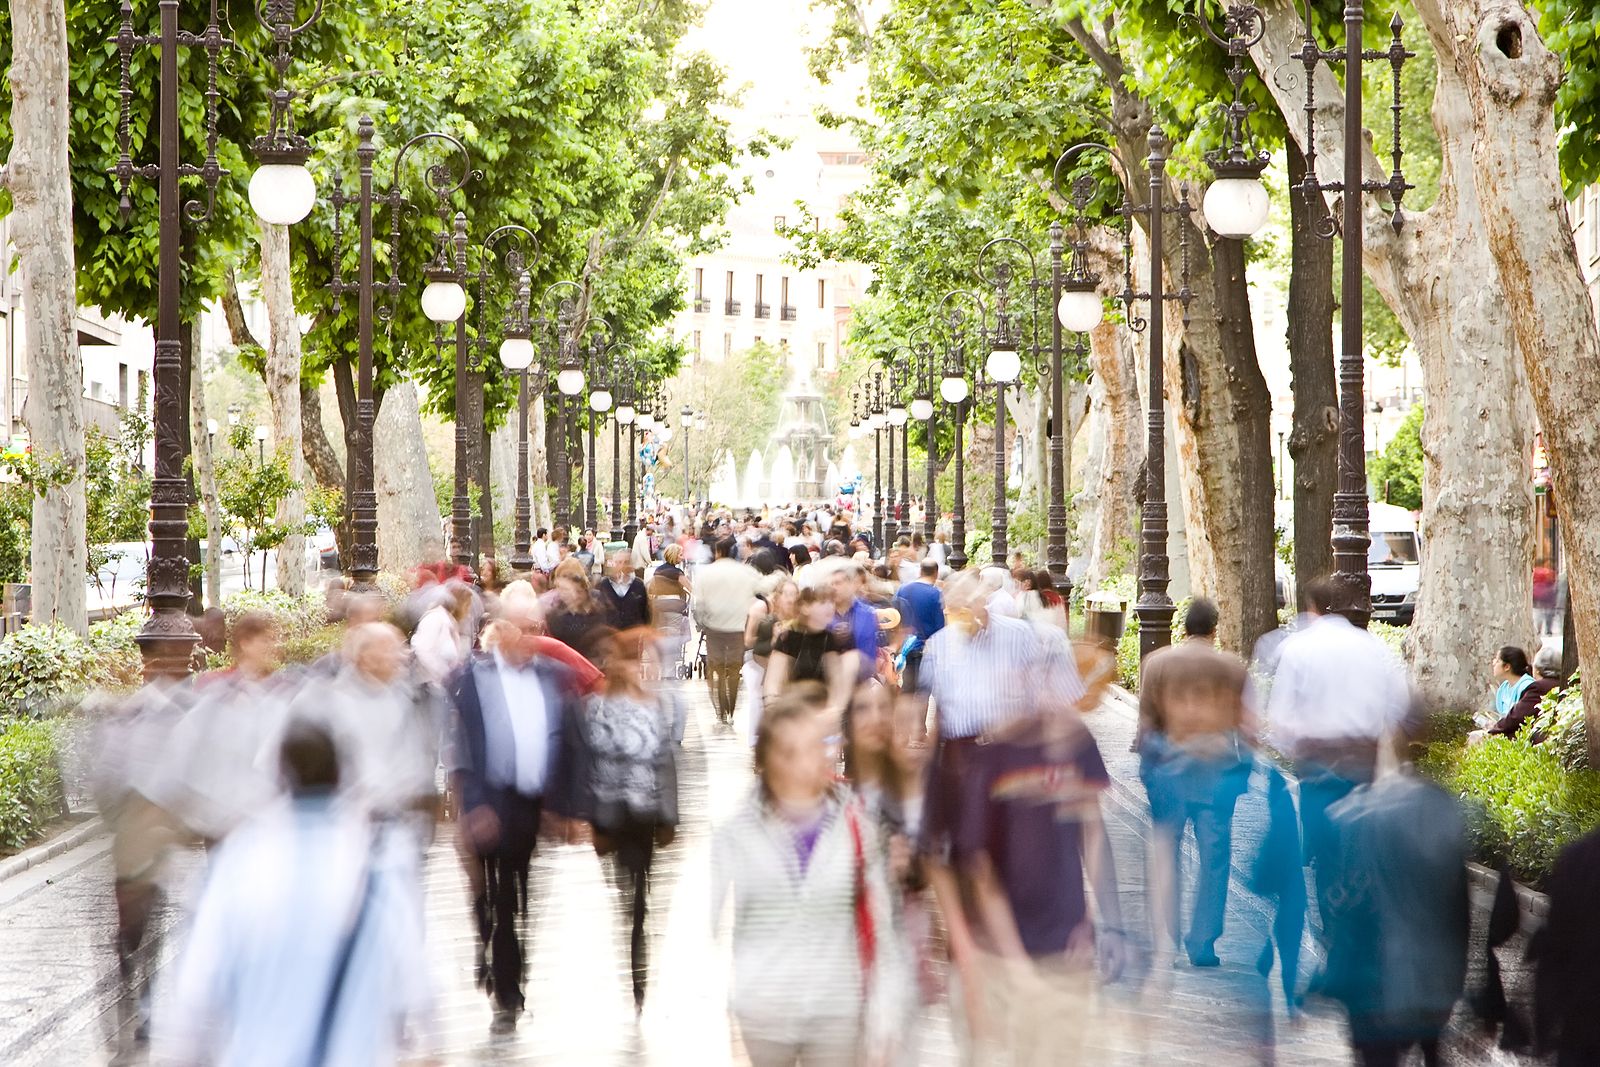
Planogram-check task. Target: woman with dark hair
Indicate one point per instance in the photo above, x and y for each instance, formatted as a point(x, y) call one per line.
point(1513, 674)
point(810, 649)
point(576, 613)
point(631, 789)
point(816, 979)
point(799, 555)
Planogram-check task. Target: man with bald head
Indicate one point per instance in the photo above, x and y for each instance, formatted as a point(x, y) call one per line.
point(516, 746)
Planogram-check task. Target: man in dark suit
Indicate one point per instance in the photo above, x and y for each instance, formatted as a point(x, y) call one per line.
point(515, 759)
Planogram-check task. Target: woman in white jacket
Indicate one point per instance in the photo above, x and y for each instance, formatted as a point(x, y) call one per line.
point(817, 975)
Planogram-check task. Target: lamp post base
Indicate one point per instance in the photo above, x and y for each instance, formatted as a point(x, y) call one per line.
point(1155, 625)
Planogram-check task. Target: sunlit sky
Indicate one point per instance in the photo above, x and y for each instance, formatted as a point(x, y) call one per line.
point(762, 44)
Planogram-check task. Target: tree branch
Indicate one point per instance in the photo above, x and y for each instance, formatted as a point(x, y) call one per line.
point(233, 312)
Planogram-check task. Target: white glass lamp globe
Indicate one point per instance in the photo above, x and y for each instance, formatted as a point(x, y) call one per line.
point(1080, 310)
point(570, 381)
point(626, 414)
point(600, 399)
point(897, 416)
point(666, 432)
point(954, 389)
point(700, 422)
point(262, 433)
point(282, 193)
point(516, 353)
point(444, 301)
point(1003, 365)
point(922, 409)
point(646, 420)
point(211, 426)
point(1236, 207)
point(878, 420)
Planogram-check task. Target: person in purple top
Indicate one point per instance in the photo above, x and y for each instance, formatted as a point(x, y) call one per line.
point(856, 620)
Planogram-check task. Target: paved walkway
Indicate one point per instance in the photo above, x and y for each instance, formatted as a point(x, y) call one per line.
point(59, 1002)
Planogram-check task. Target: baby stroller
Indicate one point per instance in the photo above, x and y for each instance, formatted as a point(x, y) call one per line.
point(695, 665)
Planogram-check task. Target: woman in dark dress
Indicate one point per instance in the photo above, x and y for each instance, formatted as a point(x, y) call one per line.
point(811, 650)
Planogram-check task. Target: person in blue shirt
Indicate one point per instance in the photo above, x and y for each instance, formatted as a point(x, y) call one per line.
point(1513, 675)
point(922, 613)
point(855, 619)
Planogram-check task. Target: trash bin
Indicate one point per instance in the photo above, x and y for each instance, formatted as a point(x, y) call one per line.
point(1105, 618)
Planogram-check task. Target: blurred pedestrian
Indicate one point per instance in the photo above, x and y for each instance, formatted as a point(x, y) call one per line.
point(441, 641)
point(516, 756)
point(1195, 761)
point(1337, 692)
point(724, 590)
point(622, 594)
point(577, 611)
point(630, 791)
point(816, 976)
point(1566, 951)
point(811, 649)
point(304, 946)
point(1399, 917)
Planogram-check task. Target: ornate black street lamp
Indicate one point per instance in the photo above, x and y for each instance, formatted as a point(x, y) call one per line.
point(514, 262)
point(285, 192)
point(622, 356)
point(600, 401)
point(894, 414)
point(922, 409)
point(561, 334)
point(1351, 539)
point(517, 352)
point(899, 415)
point(956, 391)
point(876, 420)
point(1004, 366)
point(442, 296)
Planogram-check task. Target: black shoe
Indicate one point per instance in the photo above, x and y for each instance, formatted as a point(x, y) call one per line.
point(505, 1021)
point(1206, 957)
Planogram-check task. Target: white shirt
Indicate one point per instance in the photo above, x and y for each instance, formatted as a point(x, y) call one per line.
point(1334, 682)
point(544, 553)
point(1001, 673)
point(530, 731)
point(437, 643)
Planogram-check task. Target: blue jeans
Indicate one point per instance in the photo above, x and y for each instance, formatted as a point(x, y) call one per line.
point(1320, 789)
point(1184, 789)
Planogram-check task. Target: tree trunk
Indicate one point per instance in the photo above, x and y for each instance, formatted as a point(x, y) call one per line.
point(1216, 396)
point(539, 482)
point(1114, 520)
point(410, 528)
point(1438, 274)
point(1511, 79)
point(38, 177)
point(1314, 438)
point(478, 460)
point(283, 396)
point(205, 474)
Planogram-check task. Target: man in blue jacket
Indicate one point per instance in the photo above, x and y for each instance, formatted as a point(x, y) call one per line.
point(515, 759)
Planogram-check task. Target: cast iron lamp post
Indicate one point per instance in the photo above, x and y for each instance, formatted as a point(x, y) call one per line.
point(597, 361)
point(521, 246)
point(569, 378)
point(622, 355)
point(442, 295)
point(167, 639)
point(1003, 367)
point(517, 352)
point(955, 390)
point(1351, 539)
point(922, 409)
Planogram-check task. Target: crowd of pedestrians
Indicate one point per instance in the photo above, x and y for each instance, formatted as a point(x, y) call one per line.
point(923, 821)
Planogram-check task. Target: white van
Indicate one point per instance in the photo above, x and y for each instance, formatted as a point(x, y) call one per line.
point(1395, 562)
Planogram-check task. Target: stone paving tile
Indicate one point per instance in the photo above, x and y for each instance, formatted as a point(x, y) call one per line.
point(59, 1005)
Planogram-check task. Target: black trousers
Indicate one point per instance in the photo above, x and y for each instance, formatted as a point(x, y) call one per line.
point(504, 898)
point(634, 847)
point(724, 661)
point(1394, 1053)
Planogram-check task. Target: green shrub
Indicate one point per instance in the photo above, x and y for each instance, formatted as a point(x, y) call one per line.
point(1561, 727)
point(1128, 655)
point(118, 663)
point(41, 665)
point(1391, 635)
point(1525, 806)
point(30, 781)
point(294, 615)
point(308, 646)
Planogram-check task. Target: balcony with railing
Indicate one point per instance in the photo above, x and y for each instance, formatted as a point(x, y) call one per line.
point(763, 311)
point(701, 305)
point(730, 307)
point(789, 312)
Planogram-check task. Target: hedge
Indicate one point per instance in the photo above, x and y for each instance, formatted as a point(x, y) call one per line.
point(31, 793)
point(1523, 805)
